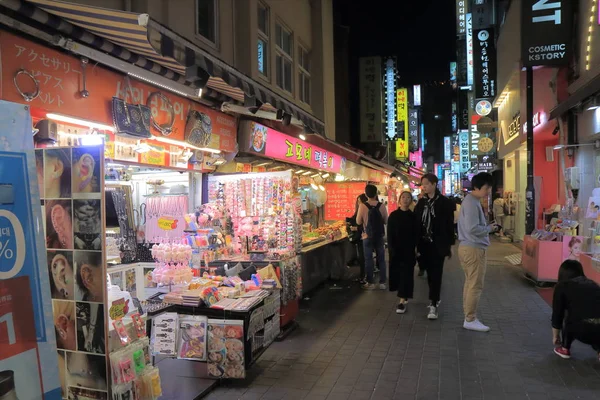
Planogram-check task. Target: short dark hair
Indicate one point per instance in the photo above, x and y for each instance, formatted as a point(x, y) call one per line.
point(570, 269)
point(371, 191)
point(482, 179)
point(431, 178)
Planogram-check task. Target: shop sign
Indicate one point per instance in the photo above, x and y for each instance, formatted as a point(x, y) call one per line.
point(370, 99)
point(341, 199)
point(167, 223)
point(402, 113)
point(447, 149)
point(470, 77)
point(416, 95)
point(265, 141)
point(485, 163)
point(243, 167)
point(465, 154)
point(454, 116)
point(59, 77)
point(483, 108)
point(485, 63)
point(413, 130)
point(461, 62)
point(538, 119)
point(155, 156)
point(453, 74)
point(546, 32)
point(462, 8)
point(455, 148)
point(514, 129)
point(482, 11)
point(463, 110)
point(390, 100)
point(447, 182)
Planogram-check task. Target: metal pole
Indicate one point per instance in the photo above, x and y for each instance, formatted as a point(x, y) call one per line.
point(530, 190)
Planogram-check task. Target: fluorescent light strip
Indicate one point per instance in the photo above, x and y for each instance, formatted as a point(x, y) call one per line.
point(182, 144)
point(81, 122)
point(166, 87)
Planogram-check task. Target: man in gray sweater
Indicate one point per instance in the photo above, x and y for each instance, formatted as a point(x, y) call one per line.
point(473, 233)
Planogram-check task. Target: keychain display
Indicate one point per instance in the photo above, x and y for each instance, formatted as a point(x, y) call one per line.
point(139, 324)
point(121, 332)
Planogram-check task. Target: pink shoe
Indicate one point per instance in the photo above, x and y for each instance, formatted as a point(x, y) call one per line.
point(562, 352)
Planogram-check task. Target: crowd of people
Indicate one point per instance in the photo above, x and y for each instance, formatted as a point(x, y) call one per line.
point(425, 233)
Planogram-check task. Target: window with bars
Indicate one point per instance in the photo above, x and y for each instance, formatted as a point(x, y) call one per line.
point(206, 19)
point(263, 39)
point(283, 58)
point(304, 72)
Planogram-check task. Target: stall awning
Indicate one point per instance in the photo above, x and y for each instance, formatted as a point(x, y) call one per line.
point(586, 91)
point(132, 36)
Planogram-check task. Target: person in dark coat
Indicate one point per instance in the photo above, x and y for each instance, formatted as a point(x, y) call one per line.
point(402, 241)
point(435, 236)
point(355, 236)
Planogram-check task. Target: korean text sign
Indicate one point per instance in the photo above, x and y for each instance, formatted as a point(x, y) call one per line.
point(484, 63)
point(341, 199)
point(279, 146)
point(402, 114)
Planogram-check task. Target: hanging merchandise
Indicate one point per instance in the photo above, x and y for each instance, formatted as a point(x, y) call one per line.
point(131, 120)
point(198, 129)
point(153, 100)
point(173, 259)
point(165, 216)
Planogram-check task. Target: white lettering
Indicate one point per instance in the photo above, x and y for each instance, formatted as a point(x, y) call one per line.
point(549, 18)
point(541, 5)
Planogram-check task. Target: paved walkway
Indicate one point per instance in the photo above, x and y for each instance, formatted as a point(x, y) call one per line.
point(352, 345)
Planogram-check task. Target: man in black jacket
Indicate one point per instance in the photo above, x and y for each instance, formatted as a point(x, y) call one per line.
point(435, 236)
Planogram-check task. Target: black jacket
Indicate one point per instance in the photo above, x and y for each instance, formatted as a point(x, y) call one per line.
point(578, 299)
point(442, 225)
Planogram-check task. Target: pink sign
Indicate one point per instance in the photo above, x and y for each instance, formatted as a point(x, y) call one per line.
point(279, 146)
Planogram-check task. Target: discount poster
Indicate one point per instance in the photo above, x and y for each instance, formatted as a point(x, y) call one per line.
point(27, 337)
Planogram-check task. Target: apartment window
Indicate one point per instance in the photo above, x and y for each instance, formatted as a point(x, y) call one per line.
point(304, 70)
point(206, 19)
point(263, 39)
point(283, 58)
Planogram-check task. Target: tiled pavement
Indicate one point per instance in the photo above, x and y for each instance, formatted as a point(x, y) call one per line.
point(352, 345)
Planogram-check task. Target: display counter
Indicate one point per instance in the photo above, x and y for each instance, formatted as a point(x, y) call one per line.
point(541, 259)
point(324, 260)
point(591, 267)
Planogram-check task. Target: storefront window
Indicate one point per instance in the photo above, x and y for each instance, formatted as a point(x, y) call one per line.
point(206, 19)
point(284, 58)
point(304, 70)
point(263, 39)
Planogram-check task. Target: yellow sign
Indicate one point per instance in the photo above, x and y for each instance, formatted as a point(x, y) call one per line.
point(117, 310)
point(402, 113)
point(155, 156)
point(167, 223)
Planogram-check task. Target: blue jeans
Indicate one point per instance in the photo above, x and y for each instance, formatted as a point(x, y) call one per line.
point(378, 246)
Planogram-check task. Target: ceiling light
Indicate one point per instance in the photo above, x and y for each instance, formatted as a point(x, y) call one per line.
point(406, 186)
point(325, 176)
point(322, 187)
point(314, 176)
point(264, 163)
point(302, 137)
point(81, 122)
point(339, 178)
point(299, 171)
point(307, 173)
point(312, 184)
point(182, 144)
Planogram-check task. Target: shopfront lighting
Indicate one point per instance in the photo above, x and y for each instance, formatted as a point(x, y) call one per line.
point(302, 137)
point(589, 38)
point(322, 188)
point(315, 175)
point(182, 144)
point(81, 122)
point(91, 140)
point(307, 173)
point(339, 178)
point(406, 186)
point(299, 171)
point(264, 164)
point(168, 86)
point(315, 187)
point(325, 176)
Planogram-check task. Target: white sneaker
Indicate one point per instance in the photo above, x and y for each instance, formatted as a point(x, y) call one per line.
point(433, 312)
point(476, 326)
point(382, 286)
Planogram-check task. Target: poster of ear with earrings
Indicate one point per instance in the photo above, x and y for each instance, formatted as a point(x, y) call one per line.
point(27, 334)
point(73, 204)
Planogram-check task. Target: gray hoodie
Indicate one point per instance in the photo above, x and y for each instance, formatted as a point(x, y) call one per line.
point(473, 230)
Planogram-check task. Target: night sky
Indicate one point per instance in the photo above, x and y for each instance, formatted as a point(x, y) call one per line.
point(422, 35)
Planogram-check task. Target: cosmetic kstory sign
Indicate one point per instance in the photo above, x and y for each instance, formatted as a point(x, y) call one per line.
point(484, 63)
point(546, 32)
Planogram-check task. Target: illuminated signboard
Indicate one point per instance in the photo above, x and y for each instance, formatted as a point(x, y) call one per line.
point(447, 149)
point(413, 130)
point(402, 114)
point(462, 7)
point(538, 119)
point(485, 63)
point(470, 72)
point(417, 95)
point(465, 154)
point(390, 99)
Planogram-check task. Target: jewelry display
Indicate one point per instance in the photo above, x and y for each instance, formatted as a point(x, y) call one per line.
point(27, 96)
point(165, 129)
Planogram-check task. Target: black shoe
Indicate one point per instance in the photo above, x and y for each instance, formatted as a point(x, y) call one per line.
point(421, 272)
point(401, 309)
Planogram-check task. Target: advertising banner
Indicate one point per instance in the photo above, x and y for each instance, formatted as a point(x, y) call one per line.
point(413, 130)
point(370, 99)
point(402, 114)
point(27, 329)
point(485, 63)
point(261, 140)
point(462, 8)
point(469, 44)
point(546, 32)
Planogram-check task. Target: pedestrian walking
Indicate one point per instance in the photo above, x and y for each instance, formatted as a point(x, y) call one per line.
point(402, 242)
point(575, 310)
point(355, 232)
point(474, 236)
point(373, 216)
point(435, 236)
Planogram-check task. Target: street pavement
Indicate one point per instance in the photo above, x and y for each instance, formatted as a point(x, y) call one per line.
point(352, 345)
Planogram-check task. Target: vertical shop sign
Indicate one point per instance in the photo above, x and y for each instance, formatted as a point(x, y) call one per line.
point(447, 149)
point(416, 95)
point(546, 32)
point(454, 116)
point(390, 99)
point(463, 110)
point(453, 73)
point(469, 49)
point(482, 11)
point(465, 156)
point(370, 99)
point(462, 8)
point(402, 114)
point(27, 331)
point(485, 63)
point(447, 182)
point(413, 130)
point(461, 62)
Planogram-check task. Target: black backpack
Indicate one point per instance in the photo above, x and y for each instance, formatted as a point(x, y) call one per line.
point(375, 226)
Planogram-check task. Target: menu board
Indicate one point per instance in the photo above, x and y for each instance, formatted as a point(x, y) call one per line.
point(341, 199)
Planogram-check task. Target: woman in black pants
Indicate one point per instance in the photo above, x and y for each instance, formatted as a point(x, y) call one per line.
point(435, 236)
point(402, 241)
point(575, 310)
point(355, 235)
